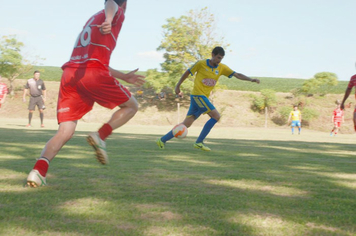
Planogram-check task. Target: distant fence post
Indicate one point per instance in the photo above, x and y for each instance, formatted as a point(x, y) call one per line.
point(266, 112)
point(178, 110)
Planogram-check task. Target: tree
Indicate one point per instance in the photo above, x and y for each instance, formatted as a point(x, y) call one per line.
point(321, 84)
point(265, 101)
point(12, 62)
point(186, 40)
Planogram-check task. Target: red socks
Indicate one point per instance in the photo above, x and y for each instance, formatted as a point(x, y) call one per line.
point(42, 166)
point(105, 131)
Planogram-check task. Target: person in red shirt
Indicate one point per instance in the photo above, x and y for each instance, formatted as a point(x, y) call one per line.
point(337, 118)
point(3, 91)
point(351, 84)
point(87, 78)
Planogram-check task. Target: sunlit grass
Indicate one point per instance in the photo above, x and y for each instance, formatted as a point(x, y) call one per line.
point(267, 184)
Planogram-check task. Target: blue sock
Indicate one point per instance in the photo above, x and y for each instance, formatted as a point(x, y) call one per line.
point(167, 137)
point(292, 130)
point(299, 129)
point(207, 127)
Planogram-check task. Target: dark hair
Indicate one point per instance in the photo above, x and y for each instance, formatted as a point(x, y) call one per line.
point(218, 51)
point(119, 2)
point(36, 71)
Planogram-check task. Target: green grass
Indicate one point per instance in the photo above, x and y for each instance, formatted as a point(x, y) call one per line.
point(256, 182)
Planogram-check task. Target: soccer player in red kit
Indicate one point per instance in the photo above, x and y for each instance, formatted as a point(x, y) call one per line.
point(3, 91)
point(337, 118)
point(351, 84)
point(87, 78)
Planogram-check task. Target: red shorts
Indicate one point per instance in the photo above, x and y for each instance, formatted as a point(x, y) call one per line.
point(337, 124)
point(80, 88)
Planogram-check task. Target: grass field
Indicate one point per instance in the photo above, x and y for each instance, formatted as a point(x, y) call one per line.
point(255, 182)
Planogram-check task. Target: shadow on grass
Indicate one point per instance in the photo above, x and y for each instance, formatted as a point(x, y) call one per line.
point(242, 187)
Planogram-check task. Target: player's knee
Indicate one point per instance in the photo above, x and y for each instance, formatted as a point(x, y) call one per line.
point(217, 117)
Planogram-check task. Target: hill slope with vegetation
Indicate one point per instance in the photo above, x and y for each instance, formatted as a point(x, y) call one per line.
point(284, 85)
point(235, 105)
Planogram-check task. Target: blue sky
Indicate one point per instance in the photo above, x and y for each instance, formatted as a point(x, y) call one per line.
point(274, 38)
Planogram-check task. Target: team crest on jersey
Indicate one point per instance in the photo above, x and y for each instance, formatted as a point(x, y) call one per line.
point(209, 82)
point(216, 72)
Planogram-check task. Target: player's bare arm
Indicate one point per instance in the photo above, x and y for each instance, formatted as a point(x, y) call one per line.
point(181, 80)
point(24, 95)
point(244, 77)
point(110, 10)
point(347, 94)
point(131, 77)
point(44, 95)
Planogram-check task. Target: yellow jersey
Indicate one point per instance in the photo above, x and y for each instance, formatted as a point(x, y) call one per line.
point(295, 115)
point(207, 76)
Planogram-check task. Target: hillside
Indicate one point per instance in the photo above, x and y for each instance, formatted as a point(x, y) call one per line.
point(284, 85)
point(234, 106)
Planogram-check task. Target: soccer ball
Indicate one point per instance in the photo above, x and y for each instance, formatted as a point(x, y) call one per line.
point(180, 131)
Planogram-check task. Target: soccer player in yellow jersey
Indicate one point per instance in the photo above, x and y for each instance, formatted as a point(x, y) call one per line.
point(207, 73)
point(296, 117)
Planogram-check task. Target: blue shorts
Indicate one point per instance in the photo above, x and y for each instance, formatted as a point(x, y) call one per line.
point(199, 104)
point(296, 123)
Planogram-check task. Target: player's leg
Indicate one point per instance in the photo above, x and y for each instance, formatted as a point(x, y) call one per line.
point(336, 131)
point(101, 87)
point(124, 114)
point(31, 109)
point(299, 127)
point(206, 106)
point(119, 118)
point(354, 119)
point(215, 117)
point(292, 126)
point(188, 121)
point(30, 114)
point(40, 105)
point(192, 115)
point(37, 176)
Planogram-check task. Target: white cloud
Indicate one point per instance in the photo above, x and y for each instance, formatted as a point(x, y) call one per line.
point(51, 36)
point(154, 55)
point(12, 31)
point(235, 19)
point(250, 53)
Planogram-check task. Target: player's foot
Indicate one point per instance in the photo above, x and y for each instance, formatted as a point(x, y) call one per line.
point(28, 125)
point(160, 143)
point(331, 134)
point(35, 179)
point(99, 146)
point(42, 126)
point(202, 146)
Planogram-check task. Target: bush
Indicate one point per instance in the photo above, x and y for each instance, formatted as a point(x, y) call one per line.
point(267, 99)
point(309, 114)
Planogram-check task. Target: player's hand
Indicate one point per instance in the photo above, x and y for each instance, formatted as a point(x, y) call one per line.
point(24, 99)
point(255, 81)
point(178, 92)
point(137, 80)
point(105, 27)
point(342, 106)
